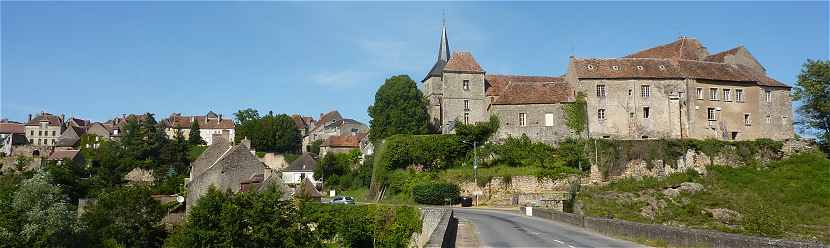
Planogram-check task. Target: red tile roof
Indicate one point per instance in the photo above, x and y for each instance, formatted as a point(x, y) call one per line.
point(463, 62)
point(205, 122)
point(299, 121)
point(682, 48)
point(497, 83)
point(52, 119)
point(535, 93)
point(12, 128)
point(63, 154)
point(344, 140)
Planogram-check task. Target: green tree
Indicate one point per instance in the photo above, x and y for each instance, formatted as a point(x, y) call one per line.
point(315, 147)
point(47, 219)
point(813, 90)
point(270, 133)
point(127, 216)
point(112, 162)
point(68, 176)
point(245, 115)
point(477, 133)
point(244, 220)
point(399, 108)
point(195, 137)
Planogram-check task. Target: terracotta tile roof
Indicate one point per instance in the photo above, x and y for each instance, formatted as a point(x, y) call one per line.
point(80, 122)
point(326, 119)
point(205, 122)
point(344, 140)
point(672, 69)
point(303, 163)
point(12, 128)
point(463, 62)
point(496, 83)
point(719, 57)
point(299, 121)
point(63, 154)
point(682, 48)
point(52, 119)
point(535, 93)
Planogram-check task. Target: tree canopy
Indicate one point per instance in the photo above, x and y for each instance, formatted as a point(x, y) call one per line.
point(813, 90)
point(127, 216)
point(270, 133)
point(399, 108)
point(194, 136)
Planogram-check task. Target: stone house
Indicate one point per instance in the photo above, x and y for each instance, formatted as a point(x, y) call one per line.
point(332, 124)
point(304, 124)
point(71, 136)
point(677, 90)
point(117, 124)
point(342, 143)
point(44, 130)
point(61, 155)
point(11, 134)
point(299, 169)
point(209, 124)
point(225, 166)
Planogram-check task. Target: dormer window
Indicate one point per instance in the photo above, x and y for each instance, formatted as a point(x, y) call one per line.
point(590, 67)
point(466, 84)
point(615, 67)
point(639, 67)
point(662, 67)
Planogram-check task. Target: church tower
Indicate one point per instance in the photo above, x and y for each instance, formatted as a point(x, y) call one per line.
point(433, 82)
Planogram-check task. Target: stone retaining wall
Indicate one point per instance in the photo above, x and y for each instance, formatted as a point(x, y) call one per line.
point(500, 192)
point(438, 228)
point(673, 236)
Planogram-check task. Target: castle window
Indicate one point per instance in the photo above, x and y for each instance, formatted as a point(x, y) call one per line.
point(646, 112)
point(645, 91)
point(713, 94)
point(522, 119)
point(699, 93)
point(710, 114)
point(767, 96)
point(548, 120)
point(466, 104)
point(747, 119)
point(466, 118)
point(601, 114)
point(727, 95)
point(739, 95)
point(601, 90)
point(466, 84)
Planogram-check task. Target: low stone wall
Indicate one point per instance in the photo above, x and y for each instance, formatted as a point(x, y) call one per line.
point(673, 236)
point(500, 192)
point(438, 228)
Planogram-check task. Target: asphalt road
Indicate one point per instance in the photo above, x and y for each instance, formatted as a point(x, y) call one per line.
point(508, 229)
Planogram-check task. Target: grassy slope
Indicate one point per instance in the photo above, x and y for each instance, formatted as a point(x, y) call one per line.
point(785, 199)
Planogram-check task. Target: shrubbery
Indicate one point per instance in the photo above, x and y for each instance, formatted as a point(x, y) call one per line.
point(363, 226)
point(436, 193)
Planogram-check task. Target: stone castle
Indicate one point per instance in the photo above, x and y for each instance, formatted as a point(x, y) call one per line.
point(676, 90)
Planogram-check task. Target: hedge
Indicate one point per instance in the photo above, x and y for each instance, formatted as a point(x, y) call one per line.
point(435, 193)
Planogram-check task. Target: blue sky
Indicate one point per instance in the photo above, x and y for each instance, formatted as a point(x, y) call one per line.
point(97, 60)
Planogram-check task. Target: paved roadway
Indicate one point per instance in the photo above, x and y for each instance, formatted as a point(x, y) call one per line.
point(496, 228)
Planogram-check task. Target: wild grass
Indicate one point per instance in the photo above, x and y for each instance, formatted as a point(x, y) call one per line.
point(783, 199)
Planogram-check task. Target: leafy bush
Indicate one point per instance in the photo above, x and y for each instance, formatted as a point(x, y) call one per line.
point(364, 225)
point(435, 193)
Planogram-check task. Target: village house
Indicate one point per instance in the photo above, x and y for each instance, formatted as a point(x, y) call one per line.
point(677, 90)
point(11, 134)
point(44, 129)
point(342, 143)
point(59, 156)
point(71, 136)
point(299, 169)
point(209, 124)
point(303, 123)
point(225, 166)
point(331, 124)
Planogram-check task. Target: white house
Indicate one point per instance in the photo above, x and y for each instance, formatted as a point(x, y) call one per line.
point(302, 167)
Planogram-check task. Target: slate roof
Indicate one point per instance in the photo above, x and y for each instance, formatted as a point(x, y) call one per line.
point(52, 119)
point(535, 93)
point(682, 48)
point(63, 154)
point(463, 62)
point(71, 136)
point(496, 83)
point(344, 140)
point(12, 128)
point(304, 163)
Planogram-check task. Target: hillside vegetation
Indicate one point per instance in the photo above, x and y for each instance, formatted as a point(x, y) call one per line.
point(782, 199)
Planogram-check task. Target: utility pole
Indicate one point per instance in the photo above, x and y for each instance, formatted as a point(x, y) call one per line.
point(475, 168)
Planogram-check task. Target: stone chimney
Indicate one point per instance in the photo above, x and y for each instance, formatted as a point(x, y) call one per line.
point(220, 117)
point(63, 117)
point(30, 117)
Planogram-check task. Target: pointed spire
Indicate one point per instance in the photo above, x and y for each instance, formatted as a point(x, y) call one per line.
point(444, 47)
